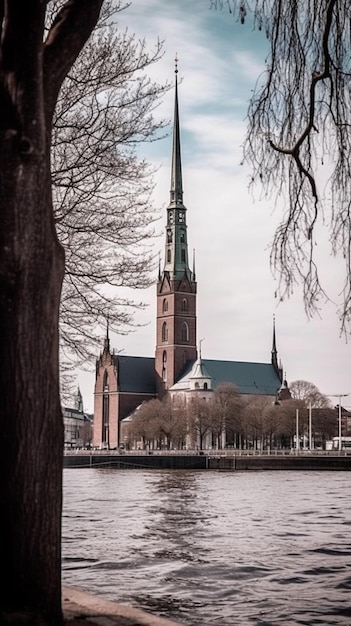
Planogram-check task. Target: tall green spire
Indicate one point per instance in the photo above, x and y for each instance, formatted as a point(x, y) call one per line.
point(176, 250)
point(176, 172)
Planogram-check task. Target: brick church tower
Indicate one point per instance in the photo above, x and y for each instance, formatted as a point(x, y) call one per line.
point(176, 286)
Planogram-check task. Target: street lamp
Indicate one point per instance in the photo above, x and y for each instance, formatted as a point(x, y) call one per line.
point(339, 396)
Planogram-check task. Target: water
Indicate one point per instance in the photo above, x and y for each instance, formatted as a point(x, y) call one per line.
point(213, 548)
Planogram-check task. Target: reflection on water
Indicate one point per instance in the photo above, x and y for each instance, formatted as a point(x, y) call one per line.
point(213, 548)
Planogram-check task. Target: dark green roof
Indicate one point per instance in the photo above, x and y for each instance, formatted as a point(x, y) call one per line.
point(136, 374)
point(250, 378)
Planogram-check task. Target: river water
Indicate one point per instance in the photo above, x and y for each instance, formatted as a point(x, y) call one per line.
point(213, 548)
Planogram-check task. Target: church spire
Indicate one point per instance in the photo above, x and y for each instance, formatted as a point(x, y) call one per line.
point(176, 286)
point(79, 400)
point(274, 353)
point(107, 338)
point(176, 193)
point(176, 251)
point(274, 347)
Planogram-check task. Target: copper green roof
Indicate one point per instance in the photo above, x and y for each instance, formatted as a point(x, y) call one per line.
point(250, 378)
point(137, 375)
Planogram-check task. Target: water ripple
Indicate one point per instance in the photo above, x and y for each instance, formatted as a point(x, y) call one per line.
point(208, 548)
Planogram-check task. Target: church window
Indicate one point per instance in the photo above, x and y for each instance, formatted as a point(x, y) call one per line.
point(184, 304)
point(165, 305)
point(164, 370)
point(182, 237)
point(164, 332)
point(169, 236)
point(105, 381)
point(182, 252)
point(169, 256)
point(197, 385)
point(105, 418)
point(205, 386)
point(185, 332)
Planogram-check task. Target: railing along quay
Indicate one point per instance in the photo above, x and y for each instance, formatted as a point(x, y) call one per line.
point(209, 452)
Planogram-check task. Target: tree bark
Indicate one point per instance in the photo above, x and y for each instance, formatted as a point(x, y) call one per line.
point(31, 274)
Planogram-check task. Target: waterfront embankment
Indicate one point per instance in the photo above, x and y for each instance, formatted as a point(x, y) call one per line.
point(84, 609)
point(209, 460)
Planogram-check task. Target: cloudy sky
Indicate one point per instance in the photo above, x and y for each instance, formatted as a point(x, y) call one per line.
point(230, 230)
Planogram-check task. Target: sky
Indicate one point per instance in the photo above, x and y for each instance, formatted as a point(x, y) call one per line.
point(219, 63)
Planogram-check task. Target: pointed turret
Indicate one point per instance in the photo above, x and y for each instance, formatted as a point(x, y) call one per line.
point(79, 401)
point(107, 338)
point(284, 391)
point(274, 358)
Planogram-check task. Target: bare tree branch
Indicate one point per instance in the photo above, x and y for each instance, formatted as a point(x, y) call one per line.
point(69, 32)
point(300, 134)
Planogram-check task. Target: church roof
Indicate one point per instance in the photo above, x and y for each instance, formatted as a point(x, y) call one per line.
point(250, 378)
point(136, 374)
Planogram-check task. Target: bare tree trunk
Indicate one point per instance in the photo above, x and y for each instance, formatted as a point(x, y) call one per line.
point(32, 267)
point(31, 274)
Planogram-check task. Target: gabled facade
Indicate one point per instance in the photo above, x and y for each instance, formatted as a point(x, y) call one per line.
point(124, 382)
point(121, 384)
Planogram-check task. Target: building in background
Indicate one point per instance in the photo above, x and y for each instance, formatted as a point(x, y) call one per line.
point(78, 426)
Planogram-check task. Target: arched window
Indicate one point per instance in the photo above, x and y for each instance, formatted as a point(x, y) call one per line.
point(205, 386)
point(165, 305)
point(185, 332)
point(164, 332)
point(182, 252)
point(182, 237)
point(105, 419)
point(184, 304)
point(197, 385)
point(164, 368)
point(105, 411)
point(169, 256)
point(105, 381)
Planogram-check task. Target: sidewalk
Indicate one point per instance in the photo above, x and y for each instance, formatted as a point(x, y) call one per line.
point(83, 609)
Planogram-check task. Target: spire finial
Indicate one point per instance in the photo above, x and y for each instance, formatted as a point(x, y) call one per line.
point(200, 345)
point(107, 338)
point(274, 353)
point(159, 265)
point(176, 64)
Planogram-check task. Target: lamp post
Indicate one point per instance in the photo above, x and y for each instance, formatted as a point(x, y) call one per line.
point(297, 432)
point(310, 426)
point(339, 396)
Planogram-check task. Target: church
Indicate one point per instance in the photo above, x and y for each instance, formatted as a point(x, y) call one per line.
point(124, 382)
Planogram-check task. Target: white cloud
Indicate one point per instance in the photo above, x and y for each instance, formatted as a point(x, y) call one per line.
point(229, 230)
